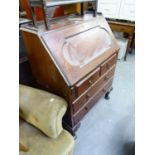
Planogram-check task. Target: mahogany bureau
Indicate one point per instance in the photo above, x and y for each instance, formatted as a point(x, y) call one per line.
point(75, 59)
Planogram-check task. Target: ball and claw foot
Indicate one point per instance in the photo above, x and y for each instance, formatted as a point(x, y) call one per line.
point(107, 97)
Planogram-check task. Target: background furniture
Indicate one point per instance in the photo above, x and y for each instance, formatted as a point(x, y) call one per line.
point(117, 9)
point(120, 14)
point(46, 4)
point(58, 10)
point(125, 27)
point(76, 59)
point(34, 103)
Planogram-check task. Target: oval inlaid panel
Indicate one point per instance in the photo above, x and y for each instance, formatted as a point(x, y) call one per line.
point(83, 47)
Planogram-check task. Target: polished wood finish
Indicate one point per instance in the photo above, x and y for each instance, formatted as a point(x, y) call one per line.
point(108, 64)
point(80, 77)
point(84, 84)
point(74, 62)
point(85, 109)
point(125, 27)
point(85, 97)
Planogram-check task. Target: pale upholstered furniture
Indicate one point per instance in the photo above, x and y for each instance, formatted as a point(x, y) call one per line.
point(40, 129)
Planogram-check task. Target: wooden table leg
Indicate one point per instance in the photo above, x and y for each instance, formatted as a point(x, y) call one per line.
point(132, 43)
point(82, 9)
point(95, 9)
point(128, 46)
point(45, 15)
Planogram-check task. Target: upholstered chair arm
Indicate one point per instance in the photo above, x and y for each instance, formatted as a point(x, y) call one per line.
point(42, 109)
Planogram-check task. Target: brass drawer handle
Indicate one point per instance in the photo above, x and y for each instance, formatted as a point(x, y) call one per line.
point(106, 78)
point(90, 82)
point(87, 96)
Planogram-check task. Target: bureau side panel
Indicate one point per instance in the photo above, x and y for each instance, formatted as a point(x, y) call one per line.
point(44, 70)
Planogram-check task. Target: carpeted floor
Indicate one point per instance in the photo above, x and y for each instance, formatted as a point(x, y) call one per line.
point(108, 129)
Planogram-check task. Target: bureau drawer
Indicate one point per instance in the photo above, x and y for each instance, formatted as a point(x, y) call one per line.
point(127, 12)
point(77, 104)
point(83, 85)
point(108, 10)
point(90, 103)
point(104, 79)
point(83, 99)
point(108, 64)
point(121, 28)
point(109, 1)
point(130, 2)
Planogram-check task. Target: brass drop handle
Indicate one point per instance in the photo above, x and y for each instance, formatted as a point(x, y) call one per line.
point(90, 82)
point(106, 78)
point(87, 96)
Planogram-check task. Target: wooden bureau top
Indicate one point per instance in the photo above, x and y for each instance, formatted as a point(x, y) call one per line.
point(79, 48)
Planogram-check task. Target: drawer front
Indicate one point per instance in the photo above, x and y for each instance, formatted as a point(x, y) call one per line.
point(89, 104)
point(127, 12)
point(108, 10)
point(108, 64)
point(109, 75)
point(130, 2)
point(77, 104)
point(83, 85)
point(121, 28)
point(109, 1)
point(82, 100)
